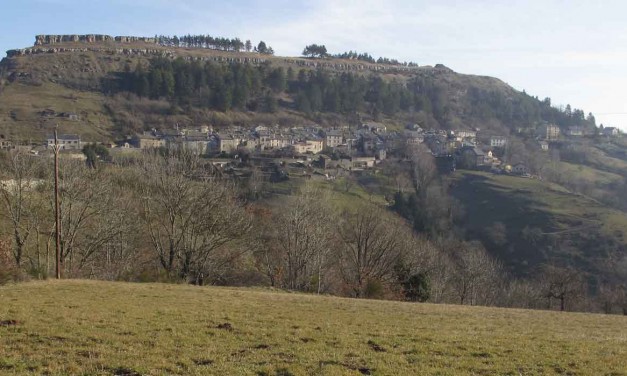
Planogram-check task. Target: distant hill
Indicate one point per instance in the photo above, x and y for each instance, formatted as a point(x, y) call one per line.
point(94, 76)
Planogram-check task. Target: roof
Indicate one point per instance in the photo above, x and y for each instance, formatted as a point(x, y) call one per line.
point(474, 149)
point(414, 134)
point(65, 137)
point(146, 136)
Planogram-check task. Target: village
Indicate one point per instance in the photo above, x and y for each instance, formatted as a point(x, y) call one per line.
point(315, 152)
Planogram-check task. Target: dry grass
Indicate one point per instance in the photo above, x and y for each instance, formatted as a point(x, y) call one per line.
point(84, 327)
point(21, 106)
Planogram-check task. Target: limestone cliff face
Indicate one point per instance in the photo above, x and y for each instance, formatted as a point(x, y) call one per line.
point(41, 40)
point(49, 44)
point(126, 39)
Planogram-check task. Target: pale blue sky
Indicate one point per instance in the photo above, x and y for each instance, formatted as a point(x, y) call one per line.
point(572, 51)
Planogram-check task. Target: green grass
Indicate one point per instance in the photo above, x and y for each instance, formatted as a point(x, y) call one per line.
point(574, 227)
point(340, 195)
point(85, 327)
point(565, 207)
point(590, 174)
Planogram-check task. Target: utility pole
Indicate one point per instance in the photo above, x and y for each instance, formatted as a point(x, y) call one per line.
point(57, 213)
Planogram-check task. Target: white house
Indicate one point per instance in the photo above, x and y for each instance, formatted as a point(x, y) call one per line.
point(498, 141)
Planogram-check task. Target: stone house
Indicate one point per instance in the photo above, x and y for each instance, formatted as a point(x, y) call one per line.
point(498, 141)
point(462, 134)
point(147, 140)
point(333, 138)
point(548, 131)
point(375, 127)
point(308, 146)
point(227, 143)
point(610, 131)
point(5, 144)
point(414, 137)
point(66, 141)
point(520, 169)
point(575, 131)
point(471, 157)
point(358, 163)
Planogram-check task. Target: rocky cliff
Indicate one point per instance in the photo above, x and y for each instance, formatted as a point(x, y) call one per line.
point(41, 40)
point(73, 43)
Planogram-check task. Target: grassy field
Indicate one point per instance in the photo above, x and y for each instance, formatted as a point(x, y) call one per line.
point(85, 327)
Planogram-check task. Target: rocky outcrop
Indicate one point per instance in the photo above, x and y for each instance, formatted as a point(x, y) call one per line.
point(348, 66)
point(45, 44)
point(42, 40)
point(223, 59)
point(121, 51)
point(125, 39)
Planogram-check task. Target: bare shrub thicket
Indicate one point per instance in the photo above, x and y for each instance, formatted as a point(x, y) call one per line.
point(372, 243)
point(189, 215)
point(170, 216)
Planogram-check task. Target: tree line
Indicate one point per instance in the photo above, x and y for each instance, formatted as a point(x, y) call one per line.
point(214, 43)
point(246, 87)
point(168, 216)
point(237, 86)
point(525, 109)
point(320, 51)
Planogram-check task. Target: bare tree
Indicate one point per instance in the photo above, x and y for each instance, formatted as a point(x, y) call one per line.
point(521, 293)
point(423, 168)
point(268, 258)
point(441, 271)
point(612, 294)
point(303, 237)
point(90, 217)
point(188, 214)
point(613, 298)
point(562, 283)
point(372, 243)
point(477, 278)
point(256, 184)
point(496, 233)
point(16, 193)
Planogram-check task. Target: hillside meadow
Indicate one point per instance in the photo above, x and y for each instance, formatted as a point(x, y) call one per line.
point(571, 226)
point(107, 328)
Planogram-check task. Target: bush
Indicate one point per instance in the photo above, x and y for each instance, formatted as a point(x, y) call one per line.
point(374, 289)
point(416, 288)
point(8, 271)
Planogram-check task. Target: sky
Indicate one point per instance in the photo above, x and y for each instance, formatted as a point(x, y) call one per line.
point(574, 52)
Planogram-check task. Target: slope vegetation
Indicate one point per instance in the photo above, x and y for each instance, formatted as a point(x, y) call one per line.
point(439, 96)
point(528, 222)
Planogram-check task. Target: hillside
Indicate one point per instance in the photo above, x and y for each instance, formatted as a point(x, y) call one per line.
point(528, 222)
point(86, 327)
point(367, 133)
point(91, 80)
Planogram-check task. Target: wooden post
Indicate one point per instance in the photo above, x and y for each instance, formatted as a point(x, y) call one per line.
point(57, 213)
